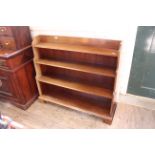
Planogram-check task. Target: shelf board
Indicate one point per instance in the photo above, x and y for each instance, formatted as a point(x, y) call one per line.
point(78, 67)
point(79, 48)
point(92, 90)
point(77, 104)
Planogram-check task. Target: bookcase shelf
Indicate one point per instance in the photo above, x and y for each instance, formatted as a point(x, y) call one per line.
point(78, 67)
point(78, 48)
point(78, 73)
point(92, 90)
point(79, 105)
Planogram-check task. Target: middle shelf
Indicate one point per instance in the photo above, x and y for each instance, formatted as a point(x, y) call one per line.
point(78, 67)
point(77, 86)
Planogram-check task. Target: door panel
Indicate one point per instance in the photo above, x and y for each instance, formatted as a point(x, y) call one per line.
point(5, 87)
point(142, 75)
point(6, 84)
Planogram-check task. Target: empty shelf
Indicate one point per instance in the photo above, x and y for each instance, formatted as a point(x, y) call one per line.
point(78, 67)
point(79, 48)
point(76, 104)
point(92, 90)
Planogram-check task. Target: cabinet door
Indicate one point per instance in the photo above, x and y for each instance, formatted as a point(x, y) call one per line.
point(6, 85)
point(142, 76)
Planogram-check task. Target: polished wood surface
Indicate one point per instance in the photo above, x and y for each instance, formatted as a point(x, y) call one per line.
point(76, 104)
point(103, 43)
point(92, 90)
point(77, 76)
point(14, 38)
point(80, 58)
point(5, 31)
point(4, 53)
point(78, 67)
point(7, 43)
point(84, 68)
point(75, 100)
point(78, 48)
point(17, 74)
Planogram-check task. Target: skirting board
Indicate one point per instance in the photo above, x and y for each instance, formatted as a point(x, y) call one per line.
point(139, 101)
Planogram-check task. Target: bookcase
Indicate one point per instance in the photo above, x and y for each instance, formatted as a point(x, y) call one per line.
point(78, 73)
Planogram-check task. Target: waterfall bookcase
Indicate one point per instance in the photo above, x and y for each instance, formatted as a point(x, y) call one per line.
point(78, 73)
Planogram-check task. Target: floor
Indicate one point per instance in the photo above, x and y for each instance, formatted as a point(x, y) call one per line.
point(47, 115)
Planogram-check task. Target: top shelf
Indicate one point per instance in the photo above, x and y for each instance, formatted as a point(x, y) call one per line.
point(79, 48)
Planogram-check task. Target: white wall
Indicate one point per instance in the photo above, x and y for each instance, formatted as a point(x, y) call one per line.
point(124, 33)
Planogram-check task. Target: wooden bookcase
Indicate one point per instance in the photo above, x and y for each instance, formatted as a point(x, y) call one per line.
point(78, 73)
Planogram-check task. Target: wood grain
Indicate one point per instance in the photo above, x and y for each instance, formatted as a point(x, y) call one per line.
point(78, 67)
point(17, 72)
point(77, 86)
point(80, 49)
point(104, 43)
point(83, 65)
point(76, 104)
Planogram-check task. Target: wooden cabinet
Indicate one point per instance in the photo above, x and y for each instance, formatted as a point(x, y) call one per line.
point(78, 73)
point(17, 74)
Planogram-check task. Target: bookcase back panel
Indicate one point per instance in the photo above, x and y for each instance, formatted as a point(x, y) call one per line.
point(98, 80)
point(68, 56)
point(51, 89)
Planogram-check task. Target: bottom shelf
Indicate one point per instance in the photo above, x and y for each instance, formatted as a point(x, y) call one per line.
point(78, 104)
